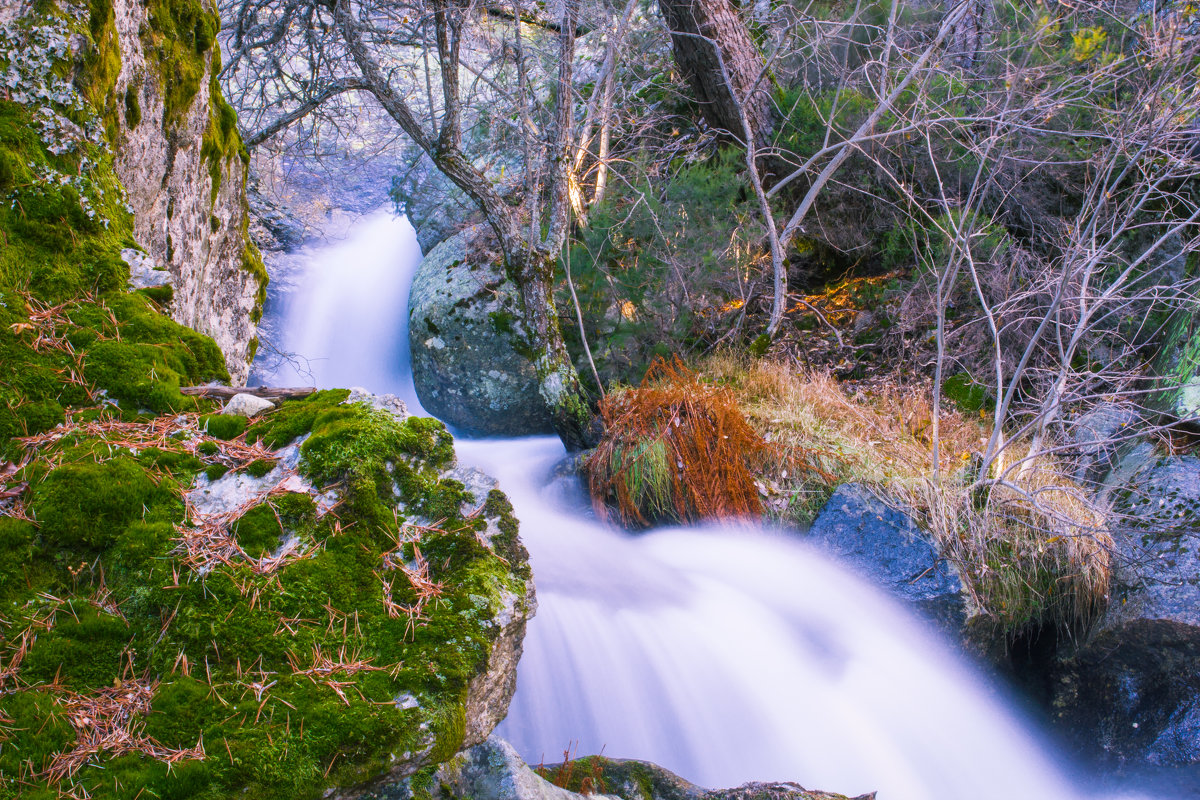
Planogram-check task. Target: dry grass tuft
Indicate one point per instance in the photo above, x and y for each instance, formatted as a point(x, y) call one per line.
point(1033, 552)
point(822, 436)
point(674, 448)
point(1030, 550)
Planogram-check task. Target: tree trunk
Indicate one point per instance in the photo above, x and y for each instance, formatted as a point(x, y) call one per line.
point(532, 271)
point(706, 33)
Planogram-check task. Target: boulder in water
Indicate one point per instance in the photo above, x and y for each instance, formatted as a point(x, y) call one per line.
point(466, 337)
point(1131, 696)
point(884, 544)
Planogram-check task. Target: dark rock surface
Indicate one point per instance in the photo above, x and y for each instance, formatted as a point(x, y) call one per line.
point(886, 546)
point(1133, 695)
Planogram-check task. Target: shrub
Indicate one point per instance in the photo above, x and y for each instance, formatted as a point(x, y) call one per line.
point(674, 448)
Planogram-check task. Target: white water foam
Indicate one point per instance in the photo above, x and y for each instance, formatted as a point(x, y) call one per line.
point(347, 320)
point(731, 654)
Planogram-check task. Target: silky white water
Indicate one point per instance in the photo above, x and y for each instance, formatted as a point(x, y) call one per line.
point(726, 654)
point(345, 323)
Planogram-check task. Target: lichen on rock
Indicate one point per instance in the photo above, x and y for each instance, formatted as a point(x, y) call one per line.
point(471, 363)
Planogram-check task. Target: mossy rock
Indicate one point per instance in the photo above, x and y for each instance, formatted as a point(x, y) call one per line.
point(471, 362)
point(245, 657)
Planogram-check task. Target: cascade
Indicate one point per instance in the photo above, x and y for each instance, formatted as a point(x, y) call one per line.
point(725, 654)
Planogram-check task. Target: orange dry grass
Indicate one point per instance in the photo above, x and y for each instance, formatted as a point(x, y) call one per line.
point(1031, 550)
point(674, 447)
point(823, 435)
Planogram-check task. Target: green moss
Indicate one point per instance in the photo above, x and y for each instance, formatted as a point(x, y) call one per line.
point(260, 467)
point(215, 472)
point(252, 262)
point(224, 426)
point(177, 39)
point(758, 347)
point(85, 649)
point(161, 296)
point(24, 558)
point(965, 393)
point(85, 506)
point(294, 418)
point(169, 461)
point(133, 107)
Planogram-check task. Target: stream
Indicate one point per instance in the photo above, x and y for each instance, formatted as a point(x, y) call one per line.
point(725, 654)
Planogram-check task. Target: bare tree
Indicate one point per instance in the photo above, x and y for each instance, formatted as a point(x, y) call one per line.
point(438, 69)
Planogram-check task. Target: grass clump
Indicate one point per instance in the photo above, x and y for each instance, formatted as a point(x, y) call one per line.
point(1030, 551)
point(674, 448)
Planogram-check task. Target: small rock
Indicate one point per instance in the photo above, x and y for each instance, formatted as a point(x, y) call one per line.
point(381, 402)
point(246, 405)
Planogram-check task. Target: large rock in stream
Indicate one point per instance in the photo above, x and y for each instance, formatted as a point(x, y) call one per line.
point(467, 339)
point(1130, 695)
point(326, 605)
point(884, 544)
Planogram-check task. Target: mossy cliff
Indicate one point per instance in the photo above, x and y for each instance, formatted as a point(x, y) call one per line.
point(351, 613)
point(178, 153)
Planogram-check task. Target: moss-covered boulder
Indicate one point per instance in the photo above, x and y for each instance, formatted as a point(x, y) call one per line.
point(470, 363)
point(495, 771)
point(352, 615)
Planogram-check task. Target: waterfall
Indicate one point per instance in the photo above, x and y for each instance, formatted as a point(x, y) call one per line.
point(725, 654)
point(340, 312)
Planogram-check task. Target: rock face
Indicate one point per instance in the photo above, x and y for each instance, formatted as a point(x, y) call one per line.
point(180, 160)
point(465, 335)
point(886, 546)
point(1133, 696)
point(494, 771)
point(1130, 696)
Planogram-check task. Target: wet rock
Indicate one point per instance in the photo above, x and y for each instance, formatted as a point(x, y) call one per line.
point(246, 405)
point(494, 771)
point(885, 545)
point(465, 332)
point(235, 490)
point(1133, 696)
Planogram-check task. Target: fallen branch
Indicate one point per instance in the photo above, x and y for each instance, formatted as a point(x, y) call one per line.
point(227, 392)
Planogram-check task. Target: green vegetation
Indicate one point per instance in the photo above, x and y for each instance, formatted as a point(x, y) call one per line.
point(111, 526)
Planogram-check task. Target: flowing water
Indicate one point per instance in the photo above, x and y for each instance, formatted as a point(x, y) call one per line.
point(725, 654)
